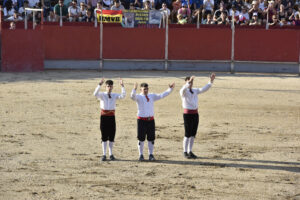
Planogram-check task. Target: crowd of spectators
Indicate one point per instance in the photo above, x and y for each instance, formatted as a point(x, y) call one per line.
point(241, 12)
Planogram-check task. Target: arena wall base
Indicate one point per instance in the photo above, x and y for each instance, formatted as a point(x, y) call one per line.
point(175, 65)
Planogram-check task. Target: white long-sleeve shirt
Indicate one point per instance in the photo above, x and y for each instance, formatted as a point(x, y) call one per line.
point(146, 108)
point(107, 103)
point(189, 100)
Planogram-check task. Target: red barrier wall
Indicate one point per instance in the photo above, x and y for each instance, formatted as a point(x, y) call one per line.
point(22, 50)
point(139, 43)
point(200, 44)
point(267, 45)
point(71, 42)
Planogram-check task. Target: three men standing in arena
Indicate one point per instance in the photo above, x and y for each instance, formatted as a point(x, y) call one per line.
point(145, 115)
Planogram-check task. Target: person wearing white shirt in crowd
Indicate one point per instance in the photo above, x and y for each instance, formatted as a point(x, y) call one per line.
point(33, 3)
point(98, 7)
point(244, 17)
point(107, 118)
point(82, 11)
point(145, 116)
point(189, 97)
point(164, 9)
point(73, 11)
point(208, 7)
point(15, 17)
point(107, 3)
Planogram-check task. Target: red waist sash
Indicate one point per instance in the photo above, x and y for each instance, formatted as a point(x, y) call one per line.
point(146, 118)
point(187, 111)
point(108, 112)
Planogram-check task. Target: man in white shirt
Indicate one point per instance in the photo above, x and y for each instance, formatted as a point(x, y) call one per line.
point(145, 115)
point(189, 97)
point(107, 118)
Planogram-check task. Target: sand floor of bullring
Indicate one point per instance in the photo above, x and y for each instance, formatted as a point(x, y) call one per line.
point(247, 141)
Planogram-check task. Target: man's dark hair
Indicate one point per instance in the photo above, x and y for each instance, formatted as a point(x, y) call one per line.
point(144, 85)
point(109, 82)
point(187, 78)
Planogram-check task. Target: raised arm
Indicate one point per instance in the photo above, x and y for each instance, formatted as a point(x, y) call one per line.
point(207, 86)
point(123, 92)
point(133, 92)
point(97, 92)
point(165, 93)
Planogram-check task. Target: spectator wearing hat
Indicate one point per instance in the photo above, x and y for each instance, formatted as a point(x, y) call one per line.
point(185, 12)
point(254, 20)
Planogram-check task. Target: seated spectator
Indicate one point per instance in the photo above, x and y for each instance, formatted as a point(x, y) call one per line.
point(289, 3)
point(68, 3)
point(255, 9)
point(150, 4)
point(147, 5)
point(88, 16)
point(15, 17)
point(254, 21)
point(131, 6)
point(195, 15)
point(274, 21)
point(91, 4)
point(181, 20)
point(176, 6)
point(270, 11)
point(63, 8)
point(296, 21)
point(208, 7)
point(165, 10)
point(117, 6)
point(51, 17)
point(218, 12)
point(74, 12)
point(12, 25)
point(185, 12)
point(281, 12)
point(244, 17)
point(158, 3)
point(208, 20)
point(8, 10)
point(223, 19)
point(82, 11)
point(28, 12)
point(98, 7)
point(234, 14)
point(284, 22)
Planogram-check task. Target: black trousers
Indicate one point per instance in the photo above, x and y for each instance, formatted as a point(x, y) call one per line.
point(145, 128)
point(108, 128)
point(191, 122)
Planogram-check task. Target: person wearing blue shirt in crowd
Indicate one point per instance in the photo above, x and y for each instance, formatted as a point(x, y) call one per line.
point(196, 4)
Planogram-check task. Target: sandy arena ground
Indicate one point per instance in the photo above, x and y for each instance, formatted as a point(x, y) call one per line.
point(50, 144)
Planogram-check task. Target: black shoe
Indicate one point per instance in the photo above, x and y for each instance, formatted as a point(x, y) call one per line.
point(103, 158)
point(151, 157)
point(111, 157)
point(141, 158)
point(185, 154)
point(191, 155)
